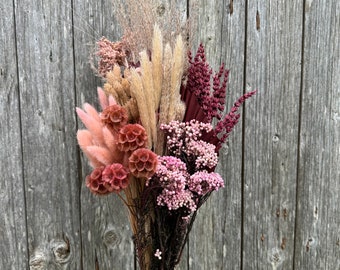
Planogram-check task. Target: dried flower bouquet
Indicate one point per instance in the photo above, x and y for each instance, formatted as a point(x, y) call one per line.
point(153, 143)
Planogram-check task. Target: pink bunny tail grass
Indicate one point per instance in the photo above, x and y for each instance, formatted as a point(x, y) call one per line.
point(103, 100)
point(110, 140)
point(101, 154)
point(90, 110)
point(112, 101)
point(84, 138)
point(95, 127)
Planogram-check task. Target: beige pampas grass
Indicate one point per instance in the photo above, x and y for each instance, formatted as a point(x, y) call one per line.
point(170, 105)
point(137, 92)
point(132, 109)
point(148, 86)
point(153, 89)
point(165, 97)
point(176, 77)
point(117, 86)
point(157, 61)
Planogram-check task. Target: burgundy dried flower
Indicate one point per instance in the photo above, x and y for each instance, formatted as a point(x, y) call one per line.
point(204, 96)
point(115, 177)
point(196, 94)
point(131, 137)
point(114, 117)
point(95, 182)
point(143, 163)
point(225, 126)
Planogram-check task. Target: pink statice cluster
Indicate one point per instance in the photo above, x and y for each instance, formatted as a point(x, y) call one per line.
point(184, 141)
point(115, 148)
point(171, 177)
point(186, 174)
point(203, 182)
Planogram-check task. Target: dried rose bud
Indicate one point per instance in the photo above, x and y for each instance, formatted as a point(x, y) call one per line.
point(131, 137)
point(114, 117)
point(95, 182)
point(143, 163)
point(115, 177)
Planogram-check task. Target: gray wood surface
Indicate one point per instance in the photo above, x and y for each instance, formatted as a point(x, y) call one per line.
point(13, 235)
point(49, 151)
point(317, 244)
point(273, 66)
point(280, 205)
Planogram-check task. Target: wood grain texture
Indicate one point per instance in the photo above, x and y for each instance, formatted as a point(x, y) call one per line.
point(215, 242)
point(317, 243)
point(13, 243)
point(46, 85)
point(273, 66)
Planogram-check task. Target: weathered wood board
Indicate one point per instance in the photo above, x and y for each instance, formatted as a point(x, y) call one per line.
point(49, 151)
point(13, 232)
point(317, 243)
point(273, 65)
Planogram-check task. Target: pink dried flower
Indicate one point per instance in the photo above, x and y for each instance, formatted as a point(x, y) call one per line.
point(171, 175)
point(143, 163)
point(203, 153)
point(203, 182)
point(158, 254)
point(97, 142)
point(176, 200)
point(95, 182)
point(93, 124)
point(114, 117)
point(170, 168)
point(131, 137)
point(105, 100)
point(180, 133)
point(110, 54)
point(115, 177)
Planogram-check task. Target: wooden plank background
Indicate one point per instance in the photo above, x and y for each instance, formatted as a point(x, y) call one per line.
point(280, 208)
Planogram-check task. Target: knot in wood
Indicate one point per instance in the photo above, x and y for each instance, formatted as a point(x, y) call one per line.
point(38, 261)
point(276, 138)
point(61, 250)
point(276, 257)
point(111, 239)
